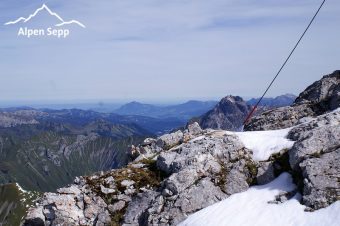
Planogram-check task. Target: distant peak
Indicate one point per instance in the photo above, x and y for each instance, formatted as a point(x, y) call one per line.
point(134, 102)
point(232, 99)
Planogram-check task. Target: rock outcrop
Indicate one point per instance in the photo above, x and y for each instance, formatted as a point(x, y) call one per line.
point(160, 187)
point(320, 97)
point(228, 114)
point(323, 95)
point(316, 133)
point(315, 156)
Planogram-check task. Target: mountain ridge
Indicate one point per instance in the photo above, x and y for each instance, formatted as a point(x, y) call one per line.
point(279, 101)
point(182, 111)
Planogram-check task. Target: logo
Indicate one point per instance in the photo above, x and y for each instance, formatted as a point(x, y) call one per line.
point(52, 31)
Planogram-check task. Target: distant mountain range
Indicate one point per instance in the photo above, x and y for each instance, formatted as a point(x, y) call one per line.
point(279, 101)
point(193, 108)
point(183, 111)
point(22, 115)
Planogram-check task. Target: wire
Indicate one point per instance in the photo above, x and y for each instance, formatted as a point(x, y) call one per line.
point(284, 64)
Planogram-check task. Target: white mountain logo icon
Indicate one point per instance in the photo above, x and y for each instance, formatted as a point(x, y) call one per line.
point(44, 7)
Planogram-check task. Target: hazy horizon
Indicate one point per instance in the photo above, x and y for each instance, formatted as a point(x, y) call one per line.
point(90, 104)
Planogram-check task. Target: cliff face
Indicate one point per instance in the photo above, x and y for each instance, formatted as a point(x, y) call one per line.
point(183, 172)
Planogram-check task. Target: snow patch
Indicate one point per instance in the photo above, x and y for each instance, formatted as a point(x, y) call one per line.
point(336, 110)
point(20, 188)
point(265, 143)
point(251, 208)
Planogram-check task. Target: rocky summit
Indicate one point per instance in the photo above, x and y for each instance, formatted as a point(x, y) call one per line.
point(228, 114)
point(178, 174)
point(231, 111)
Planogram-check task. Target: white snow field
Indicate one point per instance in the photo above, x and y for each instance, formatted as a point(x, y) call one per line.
point(251, 208)
point(265, 143)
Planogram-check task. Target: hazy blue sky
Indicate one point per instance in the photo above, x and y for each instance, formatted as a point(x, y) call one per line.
point(167, 49)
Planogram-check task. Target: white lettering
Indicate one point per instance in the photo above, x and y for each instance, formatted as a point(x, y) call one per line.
point(30, 32)
point(60, 33)
point(21, 32)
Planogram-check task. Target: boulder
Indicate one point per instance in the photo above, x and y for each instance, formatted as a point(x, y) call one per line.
point(170, 140)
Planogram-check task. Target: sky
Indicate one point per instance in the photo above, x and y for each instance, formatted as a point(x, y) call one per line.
point(156, 50)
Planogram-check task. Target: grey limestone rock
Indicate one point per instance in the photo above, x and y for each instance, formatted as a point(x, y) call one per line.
point(117, 206)
point(194, 129)
point(321, 97)
point(324, 93)
point(280, 118)
point(321, 180)
point(136, 213)
point(316, 137)
point(170, 140)
point(315, 155)
point(35, 217)
point(265, 173)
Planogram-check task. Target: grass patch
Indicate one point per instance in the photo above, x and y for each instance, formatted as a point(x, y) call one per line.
point(148, 176)
point(251, 167)
point(220, 179)
point(118, 217)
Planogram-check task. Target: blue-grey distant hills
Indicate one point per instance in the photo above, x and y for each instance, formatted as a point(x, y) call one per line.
point(279, 101)
point(183, 111)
